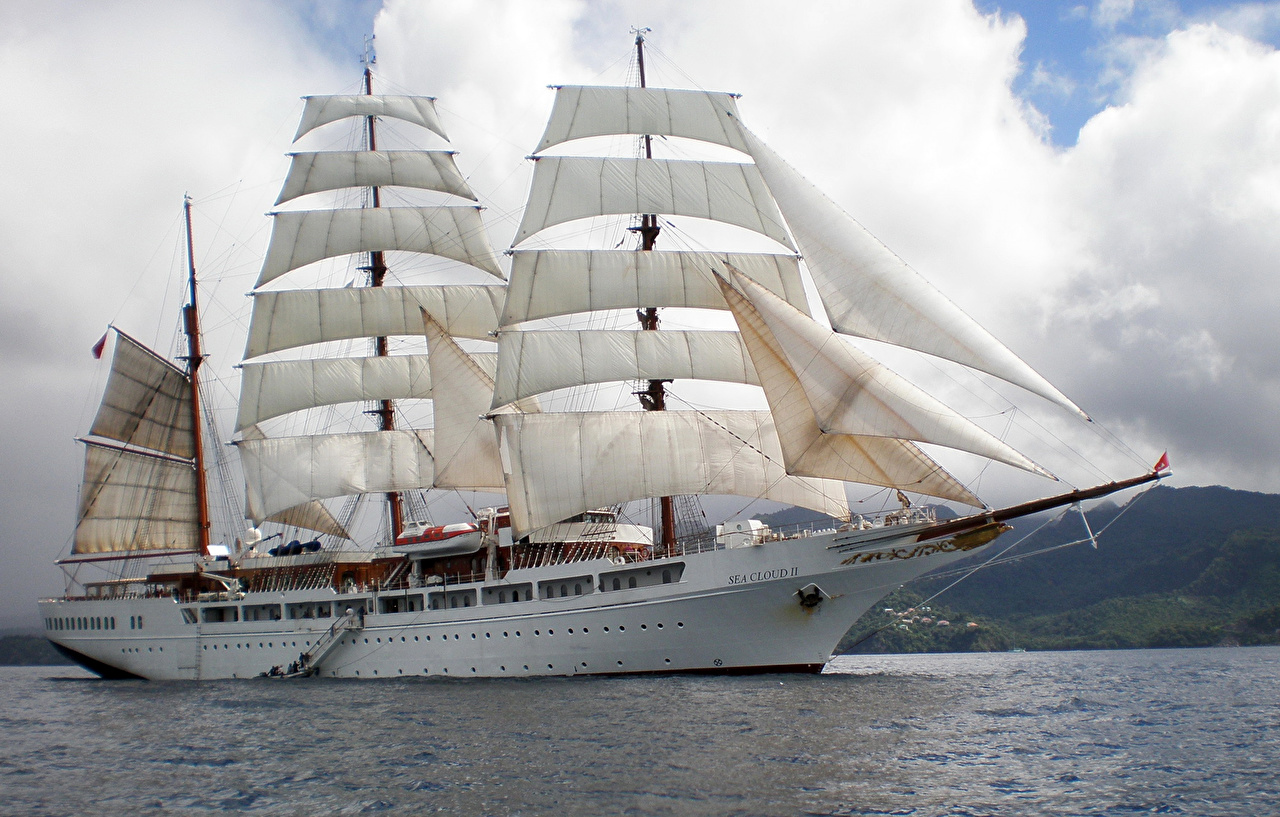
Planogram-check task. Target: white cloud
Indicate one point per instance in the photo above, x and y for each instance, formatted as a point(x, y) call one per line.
point(1134, 269)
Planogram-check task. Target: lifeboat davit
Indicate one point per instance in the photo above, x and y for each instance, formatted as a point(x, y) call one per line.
point(421, 540)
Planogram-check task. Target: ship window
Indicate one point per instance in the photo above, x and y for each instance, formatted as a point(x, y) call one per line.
point(466, 601)
point(617, 585)
point(577, 589)
point(666, 577)
point(631, 581)
point(139, 622)
point(435, 604)
point(453, 602)
point(515, 595)
point(564, 591)
point(502, 597)
point(113, 622)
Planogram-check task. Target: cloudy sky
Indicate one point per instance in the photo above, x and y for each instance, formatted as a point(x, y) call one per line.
point(1098, 183)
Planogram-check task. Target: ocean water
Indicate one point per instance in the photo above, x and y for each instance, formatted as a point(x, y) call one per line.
point(1193, 732)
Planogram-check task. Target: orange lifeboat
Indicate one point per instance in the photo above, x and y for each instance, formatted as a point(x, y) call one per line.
point(421, 540)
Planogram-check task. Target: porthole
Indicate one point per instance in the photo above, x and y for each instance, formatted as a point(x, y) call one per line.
point(570, 631)
point(668, 660)
point(551, 632)
point(550, 667)
point(486, 635)
point(585, 631)
point(473, 636)
point(415, 638)
point(659, 625)
point(606, 629)
point(619, 663)
point(504, 635)
point(644, 626)
point(680, 624)
point(537, 633)
point(622, 628)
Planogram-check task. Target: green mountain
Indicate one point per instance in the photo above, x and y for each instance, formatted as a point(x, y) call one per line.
point(1175, 567)
point(28, 649)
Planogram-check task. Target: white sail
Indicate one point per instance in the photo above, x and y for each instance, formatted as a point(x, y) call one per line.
point(548, 283)
point(559, 465)
point(530, 363)
point(808, 451)
point(135, 502)
point(282, 472)
point(466, 447)
point(287, 319)
point(321, 110)
point(272, 389)
point(311, 515)
point(852, 393)
point(333, 170)
point(301, 237)
point(147, 402)
point(566, 188)
point(582, 111)
point(870, 292)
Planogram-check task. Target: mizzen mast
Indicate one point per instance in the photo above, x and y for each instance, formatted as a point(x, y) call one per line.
point(191, 325)
point(654, 397)
point(377, 270)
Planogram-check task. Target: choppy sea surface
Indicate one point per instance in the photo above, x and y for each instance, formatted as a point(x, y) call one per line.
point(1192, 732)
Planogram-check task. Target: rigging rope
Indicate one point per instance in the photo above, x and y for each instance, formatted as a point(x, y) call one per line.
point(995, 558)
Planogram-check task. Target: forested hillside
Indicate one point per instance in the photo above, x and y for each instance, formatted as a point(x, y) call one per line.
point(1180, 567)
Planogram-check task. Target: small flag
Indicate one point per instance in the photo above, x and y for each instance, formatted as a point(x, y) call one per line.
point(1162, 464)
point(99, 346)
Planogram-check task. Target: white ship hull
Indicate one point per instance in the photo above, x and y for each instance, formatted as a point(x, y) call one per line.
point(726, 610)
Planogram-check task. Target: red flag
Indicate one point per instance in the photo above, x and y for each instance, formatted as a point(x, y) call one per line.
point(99, 346)
point(1162, 464)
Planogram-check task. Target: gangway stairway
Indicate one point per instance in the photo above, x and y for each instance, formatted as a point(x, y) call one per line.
point(308, 663)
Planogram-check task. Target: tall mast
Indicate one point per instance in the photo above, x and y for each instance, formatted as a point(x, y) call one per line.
point(377, 273)
point(191, 325)
point(653, 398)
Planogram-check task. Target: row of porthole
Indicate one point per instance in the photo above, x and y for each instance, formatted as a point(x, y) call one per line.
point(506, 634)
point(501, 668)
point(271, 645)
point(127, 650)
point(85, 623)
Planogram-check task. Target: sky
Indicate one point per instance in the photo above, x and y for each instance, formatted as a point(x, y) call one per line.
point(1098, 183)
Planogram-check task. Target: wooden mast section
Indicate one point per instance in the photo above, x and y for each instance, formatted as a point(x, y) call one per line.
point(377, 274)
point(191, 325)
point(653, 398)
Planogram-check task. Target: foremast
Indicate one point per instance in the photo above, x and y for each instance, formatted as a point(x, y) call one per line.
point(653, 398)
point(377, 274)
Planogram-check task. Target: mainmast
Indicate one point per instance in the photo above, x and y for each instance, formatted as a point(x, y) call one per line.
point(377, 274)
point(653, 398)
point(191, 325)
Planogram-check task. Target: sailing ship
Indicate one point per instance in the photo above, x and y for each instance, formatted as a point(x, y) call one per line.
point(557, 577)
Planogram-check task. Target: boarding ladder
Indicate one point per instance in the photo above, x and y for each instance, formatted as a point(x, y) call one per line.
point(310, 660)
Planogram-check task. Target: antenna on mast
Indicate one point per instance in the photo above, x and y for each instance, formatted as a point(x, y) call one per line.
point(370, 57)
